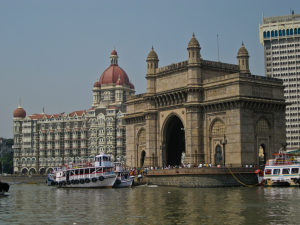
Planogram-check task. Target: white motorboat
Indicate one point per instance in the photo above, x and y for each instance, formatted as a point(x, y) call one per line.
point(123, 176)
point(50, 181)
point(283, 170)
point(98, 174)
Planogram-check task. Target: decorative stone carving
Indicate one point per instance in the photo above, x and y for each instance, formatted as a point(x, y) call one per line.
point(216, 92)
point(263, 92)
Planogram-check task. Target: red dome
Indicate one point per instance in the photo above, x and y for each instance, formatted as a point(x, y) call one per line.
point(112, 74)
point(19, 112)
point(114, 52)
point(96, 84)
point(131, 86)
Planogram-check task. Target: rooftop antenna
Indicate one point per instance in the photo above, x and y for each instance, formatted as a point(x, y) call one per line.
point(218, 46)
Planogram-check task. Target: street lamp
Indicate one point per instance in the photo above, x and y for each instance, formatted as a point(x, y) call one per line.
point(190, 130)
point(284, 145)
point(223, 143)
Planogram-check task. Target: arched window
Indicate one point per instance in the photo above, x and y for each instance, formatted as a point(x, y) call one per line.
point(242, 62)
point(151, 65)
point(276, 33)
point(268, 34)
point(189, 55)
point(218, 128)
point(265, 34)
point(287, 32)
point(262, 126)
point(142, 136)
point(272, 33)
point(193, 54)
point(295, 31)
point(280, 32)
point(291, 31)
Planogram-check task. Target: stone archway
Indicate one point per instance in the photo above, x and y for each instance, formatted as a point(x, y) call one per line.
point(262, 155)
point(141, 147)
point(25, 171)
point(263, 134)
point(42, 171)
point(32, 171)
point(49, 170)
point(143, 155)
point(173, 142)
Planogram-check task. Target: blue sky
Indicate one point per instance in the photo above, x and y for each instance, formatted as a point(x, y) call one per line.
point(52, 52)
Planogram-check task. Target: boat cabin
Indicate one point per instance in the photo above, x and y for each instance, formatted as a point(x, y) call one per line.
point(102, 160)
point(118, 166)
point(282, 171)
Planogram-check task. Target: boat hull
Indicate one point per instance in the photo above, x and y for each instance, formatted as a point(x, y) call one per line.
point(124, 183)
point(4, 187)
point(107, 182)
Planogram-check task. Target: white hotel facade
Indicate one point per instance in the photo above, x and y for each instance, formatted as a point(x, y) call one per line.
point(43, 141)
point(280, 37)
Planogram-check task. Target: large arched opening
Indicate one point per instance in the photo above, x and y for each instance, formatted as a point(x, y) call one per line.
point(42, 171)
point(25, 171)
point(174, 142)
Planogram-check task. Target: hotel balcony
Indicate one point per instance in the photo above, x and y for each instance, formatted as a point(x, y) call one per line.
point(17, 146)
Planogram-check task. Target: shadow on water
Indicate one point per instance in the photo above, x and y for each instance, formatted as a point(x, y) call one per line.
point(36, 204)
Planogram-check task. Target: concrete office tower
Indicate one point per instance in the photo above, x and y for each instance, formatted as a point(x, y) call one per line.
point(280, 37)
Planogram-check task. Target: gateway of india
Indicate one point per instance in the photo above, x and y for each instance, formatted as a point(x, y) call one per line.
point(201, 111)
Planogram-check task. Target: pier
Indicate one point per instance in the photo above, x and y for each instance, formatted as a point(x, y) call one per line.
point(204, 177)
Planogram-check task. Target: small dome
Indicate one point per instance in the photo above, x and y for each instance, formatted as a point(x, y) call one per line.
point(193, 43)
point(114, 52)
point(243, 51)
point(119, 81)
point(131, 86)
point(97, 84)
point(112, 107)
point(152, 55)
point(19, 112)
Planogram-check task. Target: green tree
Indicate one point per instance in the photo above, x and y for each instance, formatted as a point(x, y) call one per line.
point(7, 160)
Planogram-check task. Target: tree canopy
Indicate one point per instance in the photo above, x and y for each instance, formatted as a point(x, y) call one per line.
point(7, 160)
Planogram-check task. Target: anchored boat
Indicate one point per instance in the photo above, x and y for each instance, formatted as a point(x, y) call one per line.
point(283, 170)
point(98, 174)
point(123, 176)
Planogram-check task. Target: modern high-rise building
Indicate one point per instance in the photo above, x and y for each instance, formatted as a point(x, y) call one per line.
point(43, 141)
point(280, 37)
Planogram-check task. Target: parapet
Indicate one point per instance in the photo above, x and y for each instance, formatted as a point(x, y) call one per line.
point(243, 75)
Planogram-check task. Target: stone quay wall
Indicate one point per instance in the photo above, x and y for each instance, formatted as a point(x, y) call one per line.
point(204, 177)
point(23, 179)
